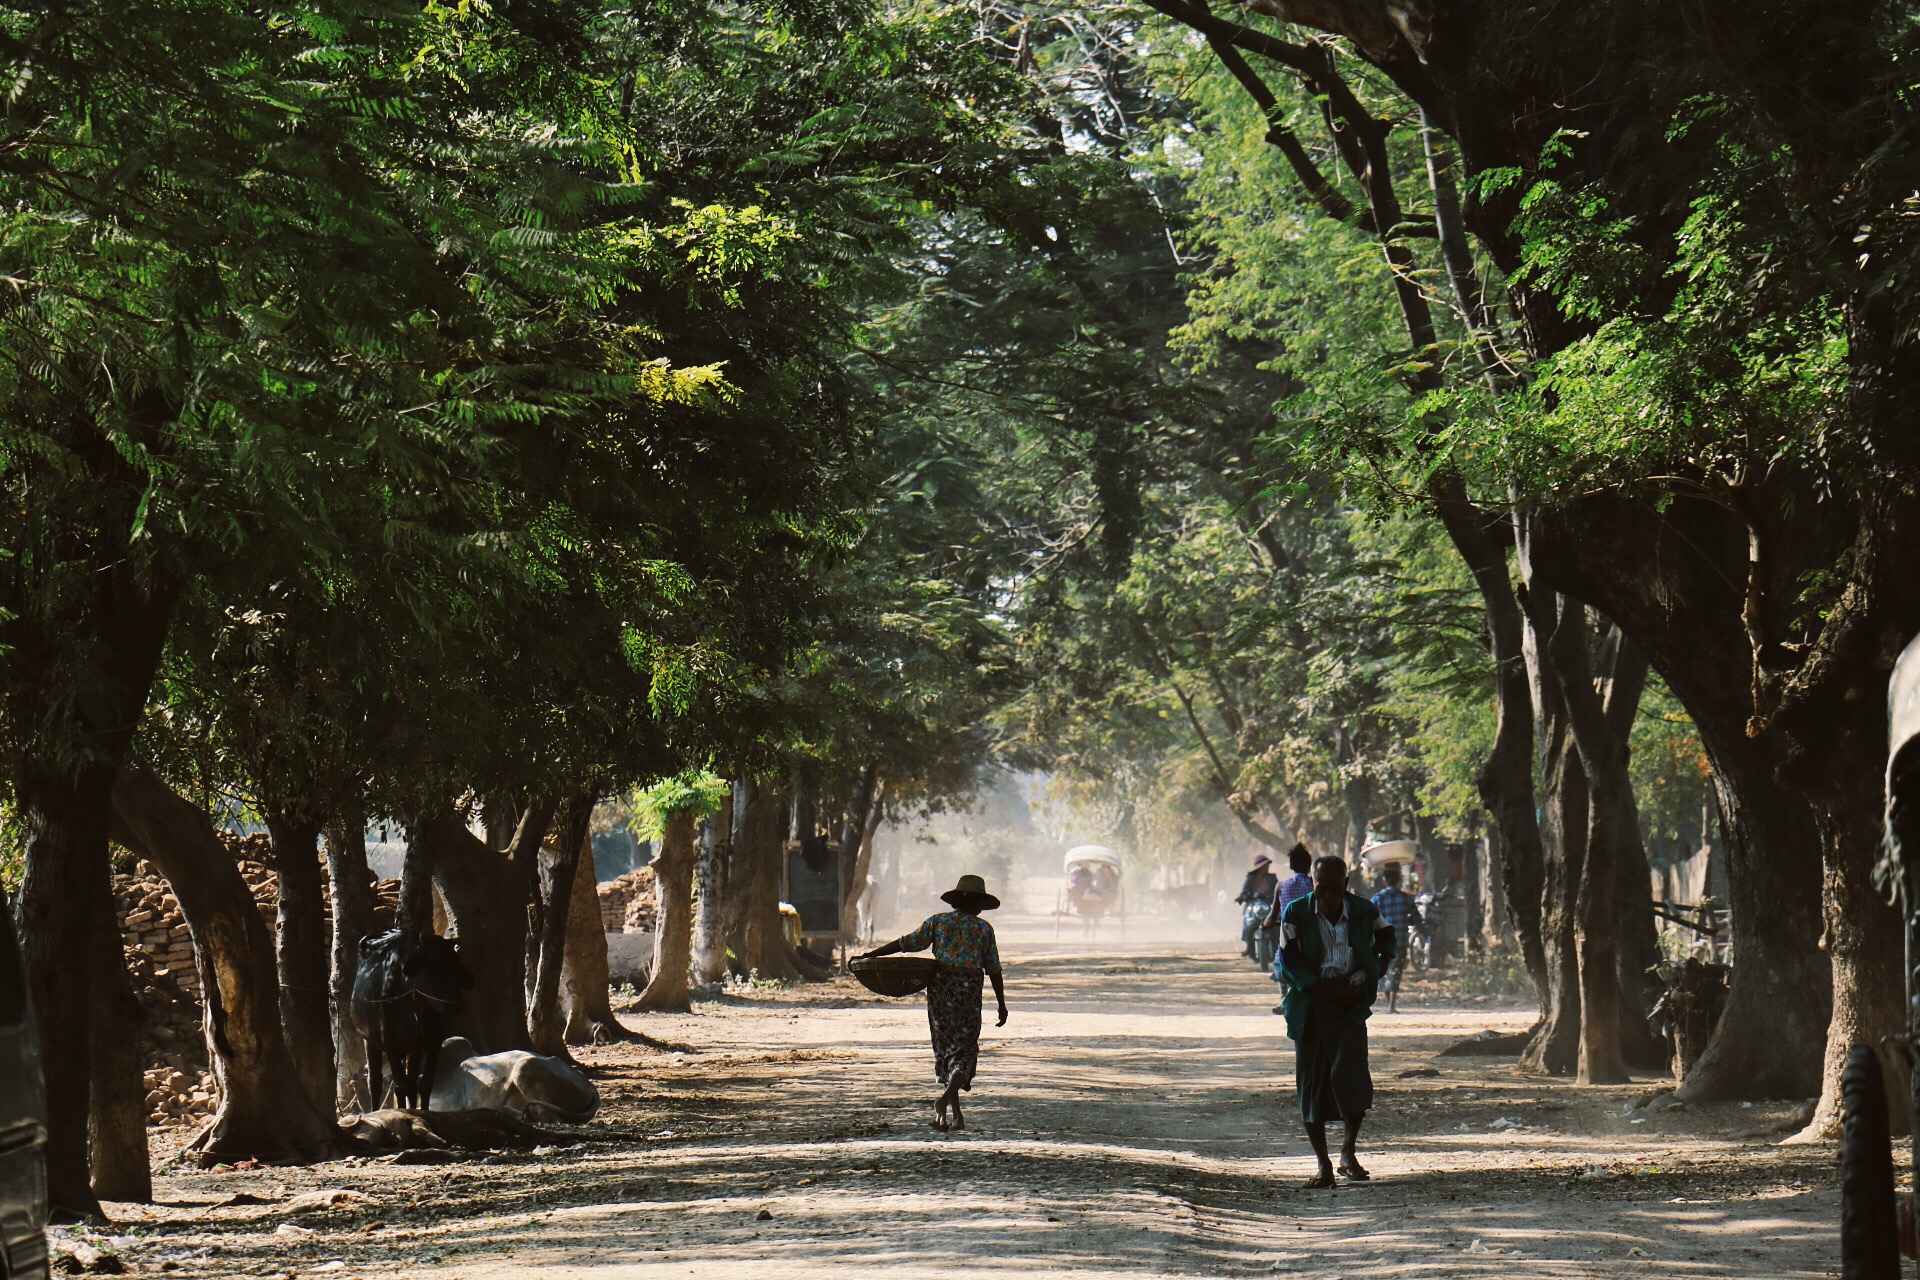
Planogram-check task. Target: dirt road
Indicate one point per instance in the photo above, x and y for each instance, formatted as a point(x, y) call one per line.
point(1135, 1118)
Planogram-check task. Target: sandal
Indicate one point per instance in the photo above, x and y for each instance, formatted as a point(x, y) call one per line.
point(1318, 1182)
point(1352, 1172)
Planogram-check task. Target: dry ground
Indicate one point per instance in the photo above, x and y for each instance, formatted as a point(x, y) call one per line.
point(1134, 1119)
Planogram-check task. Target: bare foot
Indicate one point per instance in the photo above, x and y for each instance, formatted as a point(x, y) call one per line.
point(959, 1121)
point(1318, 1181)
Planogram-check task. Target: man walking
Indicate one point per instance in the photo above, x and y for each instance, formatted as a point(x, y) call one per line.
point(1334, 947)
point(1397, 908)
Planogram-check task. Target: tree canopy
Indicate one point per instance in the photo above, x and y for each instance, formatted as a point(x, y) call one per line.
point(1270, 426)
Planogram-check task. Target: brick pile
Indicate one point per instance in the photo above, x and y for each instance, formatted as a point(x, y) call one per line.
point(627, 904)
point(166, 980)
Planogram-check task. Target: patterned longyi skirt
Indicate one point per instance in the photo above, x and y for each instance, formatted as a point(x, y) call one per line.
point(953, 1015)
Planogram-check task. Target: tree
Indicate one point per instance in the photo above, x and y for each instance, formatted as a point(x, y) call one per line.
point(668, 812)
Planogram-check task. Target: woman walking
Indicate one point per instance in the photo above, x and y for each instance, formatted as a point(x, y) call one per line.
point(963, 943)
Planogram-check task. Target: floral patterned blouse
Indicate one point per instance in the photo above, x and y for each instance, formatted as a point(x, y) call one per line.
point(957, 939)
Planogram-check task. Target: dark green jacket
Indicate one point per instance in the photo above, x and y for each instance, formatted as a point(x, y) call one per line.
point(1301, 958)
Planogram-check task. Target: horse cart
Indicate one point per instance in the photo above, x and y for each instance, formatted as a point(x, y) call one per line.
point(1878, 1087)
point(1092, 891)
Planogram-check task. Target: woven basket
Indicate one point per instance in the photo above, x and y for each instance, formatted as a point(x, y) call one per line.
point(895, 975)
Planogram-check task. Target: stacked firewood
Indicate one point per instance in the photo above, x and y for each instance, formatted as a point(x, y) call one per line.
point(627, 904)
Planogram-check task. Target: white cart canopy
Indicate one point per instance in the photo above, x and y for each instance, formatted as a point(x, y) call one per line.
point(1092, 853)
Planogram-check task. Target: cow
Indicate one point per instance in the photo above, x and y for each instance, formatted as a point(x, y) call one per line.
point(531, 1086)
point(405, 994)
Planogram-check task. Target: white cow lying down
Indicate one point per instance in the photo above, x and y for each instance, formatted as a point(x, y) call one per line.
point(531, 1086)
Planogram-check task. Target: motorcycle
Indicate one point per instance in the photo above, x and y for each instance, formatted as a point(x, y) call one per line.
point(1423, 930)
point(1263, 941)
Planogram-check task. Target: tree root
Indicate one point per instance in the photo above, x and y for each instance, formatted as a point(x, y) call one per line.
point(605, 1030)
point(805, 968)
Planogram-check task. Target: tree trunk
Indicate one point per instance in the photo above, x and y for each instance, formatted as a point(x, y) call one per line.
point(667, 990)
point(1356, 800)
point(265, 1110)
point(416, 910)
point(350, 894)
point(118, 1123)
point(1863, 935)
point(739, 878)
point(559, 868)
point(710, 875)
point(1831, 713)
point(65, 890)
point(886, 894)
point(108, 633)
point(1639, 941)
point(584, 980)
point(1768, 1042)
point(866, 796)
point(1556, 1044)
point(855, 850)
point(1516, 861)
point(758, 849)
point(1637, 936)
point(300, 951)
point(1603, 760)
point(487, 892)
point(862, 850)
point(1672, 579)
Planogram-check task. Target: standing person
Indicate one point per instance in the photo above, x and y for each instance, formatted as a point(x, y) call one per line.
point(1334, 948)
point(964, 945)
point(1292, 889)
point(1259, 887)
point(1396, 907)
point(1297, 885)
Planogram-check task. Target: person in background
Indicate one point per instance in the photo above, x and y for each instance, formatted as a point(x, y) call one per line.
point(1397, 908)
point(1297, 885)
point(1259, 886)
point(1292, 889)
point(1334, 947)
point(964, 945)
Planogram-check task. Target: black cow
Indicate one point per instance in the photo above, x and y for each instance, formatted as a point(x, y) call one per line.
point(405, 994)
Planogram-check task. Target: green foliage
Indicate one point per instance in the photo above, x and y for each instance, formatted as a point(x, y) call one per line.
point(697, 792)
point(13, 861)
point(1687, 377)
point(466, 382)
point(1671, 777)
point(509, 400)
